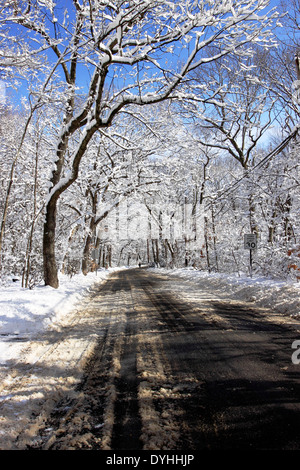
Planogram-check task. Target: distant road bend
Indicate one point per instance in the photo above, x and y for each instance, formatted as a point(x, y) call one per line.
point(177, 368)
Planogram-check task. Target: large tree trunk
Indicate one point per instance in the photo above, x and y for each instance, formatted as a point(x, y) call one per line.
point(50, 267)
point(85, 265)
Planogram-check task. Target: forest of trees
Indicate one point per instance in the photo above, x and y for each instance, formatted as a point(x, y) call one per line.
point(148, 131)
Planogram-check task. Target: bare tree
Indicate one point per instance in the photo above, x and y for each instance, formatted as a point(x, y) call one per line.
point(108, 56)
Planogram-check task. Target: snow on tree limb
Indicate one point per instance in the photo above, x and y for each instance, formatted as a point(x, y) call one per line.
point(113, 55)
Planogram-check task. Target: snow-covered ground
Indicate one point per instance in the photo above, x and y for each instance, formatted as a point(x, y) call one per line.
point(23, 312)
point(280, 296)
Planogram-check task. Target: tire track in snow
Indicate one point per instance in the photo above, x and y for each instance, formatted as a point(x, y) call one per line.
point(89, 420)
point(127, 427)
point(169, 373)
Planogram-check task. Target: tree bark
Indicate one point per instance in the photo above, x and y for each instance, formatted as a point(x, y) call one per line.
point(50, 266)
point(85, 266)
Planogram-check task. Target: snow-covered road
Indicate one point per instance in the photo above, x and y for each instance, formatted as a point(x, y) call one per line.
point(65, 355)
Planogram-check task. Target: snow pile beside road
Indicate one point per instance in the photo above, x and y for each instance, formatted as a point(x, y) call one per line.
point(24, 312)
point(282, 296)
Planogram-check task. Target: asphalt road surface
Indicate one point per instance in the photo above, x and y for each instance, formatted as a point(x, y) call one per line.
point(176, 368)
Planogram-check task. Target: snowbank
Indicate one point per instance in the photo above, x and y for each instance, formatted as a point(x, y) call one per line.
point(24, 312)
point(280, 296)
